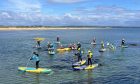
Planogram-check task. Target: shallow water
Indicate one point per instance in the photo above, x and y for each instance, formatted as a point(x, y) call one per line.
point(118, 67)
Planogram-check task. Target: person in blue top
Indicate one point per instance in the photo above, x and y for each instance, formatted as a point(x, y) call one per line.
point(35, 57)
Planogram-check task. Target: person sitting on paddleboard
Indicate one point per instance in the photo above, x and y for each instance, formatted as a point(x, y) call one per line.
point(123, 42)
point(89, 57)
point(35, 57)
point(78, 45)
point(79, 54)
point(102, 44)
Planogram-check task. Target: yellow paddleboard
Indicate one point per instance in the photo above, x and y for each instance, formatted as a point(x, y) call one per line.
point(84, 67)
point(79, 63)
point(34, 70)
point(63, 49)
point(39, 39)
point(91, 66)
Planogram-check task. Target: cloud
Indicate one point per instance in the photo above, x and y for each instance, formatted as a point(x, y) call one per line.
point(101, 16)
point(26, 5)
point(65, 1)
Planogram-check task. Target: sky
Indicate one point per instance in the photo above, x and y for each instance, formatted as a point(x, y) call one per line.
point(70, 12)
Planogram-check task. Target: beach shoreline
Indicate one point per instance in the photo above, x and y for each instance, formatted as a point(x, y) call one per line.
point(47, 28)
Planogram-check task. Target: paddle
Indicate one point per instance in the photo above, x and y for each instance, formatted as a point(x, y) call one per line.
point(28, 61)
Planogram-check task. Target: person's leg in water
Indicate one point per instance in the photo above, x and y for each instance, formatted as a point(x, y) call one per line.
point(37, 64)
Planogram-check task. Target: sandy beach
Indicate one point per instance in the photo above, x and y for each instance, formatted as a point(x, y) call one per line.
point(48, 28)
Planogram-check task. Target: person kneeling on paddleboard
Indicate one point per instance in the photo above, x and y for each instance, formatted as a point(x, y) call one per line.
point(35, 57)
point(89, 57)
point(123, 42)
point(79, 54)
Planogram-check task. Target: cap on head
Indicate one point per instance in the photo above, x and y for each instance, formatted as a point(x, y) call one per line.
point(89, 51)
point(79, 49)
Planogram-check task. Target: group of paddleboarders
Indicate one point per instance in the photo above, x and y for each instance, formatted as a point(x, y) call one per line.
point(80, 52)
point(50, 46)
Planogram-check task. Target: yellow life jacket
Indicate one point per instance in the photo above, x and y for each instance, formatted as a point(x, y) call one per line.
point(90, 55)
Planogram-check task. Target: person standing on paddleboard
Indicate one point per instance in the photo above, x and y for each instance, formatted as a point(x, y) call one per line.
point(89, 57)
point(35, 57)
point(102, 45)
point(38, 43)
point(58, 39)
point(79, 54)
point(94, 40)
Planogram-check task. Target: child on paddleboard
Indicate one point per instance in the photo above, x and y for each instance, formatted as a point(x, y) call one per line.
point(35, 57)
point(89, 57)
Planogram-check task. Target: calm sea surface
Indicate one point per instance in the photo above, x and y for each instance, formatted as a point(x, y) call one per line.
point(121, 66)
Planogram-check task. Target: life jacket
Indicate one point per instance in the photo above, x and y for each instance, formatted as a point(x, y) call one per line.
point(90, 55)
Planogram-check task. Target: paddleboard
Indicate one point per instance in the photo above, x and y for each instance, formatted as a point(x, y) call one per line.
point(34, 70)
point(102, 50)
point(51, 52)
point(57, 42)
point(123, 46)
point(63, 49)
point(93, 43)
point(39, 39)
point(79, 63)
point(85, 67)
